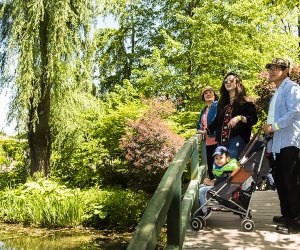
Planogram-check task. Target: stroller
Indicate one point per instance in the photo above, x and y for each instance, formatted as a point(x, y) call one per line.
point(235, 192)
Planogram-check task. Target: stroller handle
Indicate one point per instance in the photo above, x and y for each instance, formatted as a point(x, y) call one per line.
point(267, 137)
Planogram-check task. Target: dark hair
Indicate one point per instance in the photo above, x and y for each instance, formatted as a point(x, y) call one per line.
point(283, 68)
point(240, 93)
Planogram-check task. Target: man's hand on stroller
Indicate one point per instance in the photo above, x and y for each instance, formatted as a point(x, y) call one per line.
point(268, 128)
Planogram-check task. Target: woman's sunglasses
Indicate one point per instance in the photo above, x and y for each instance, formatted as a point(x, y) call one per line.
point(230, 80)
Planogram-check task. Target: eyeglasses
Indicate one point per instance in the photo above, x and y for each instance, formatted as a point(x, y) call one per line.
point(275, 67)
point(229, 80)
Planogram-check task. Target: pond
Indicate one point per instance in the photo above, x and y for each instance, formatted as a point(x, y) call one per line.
point(14, 237)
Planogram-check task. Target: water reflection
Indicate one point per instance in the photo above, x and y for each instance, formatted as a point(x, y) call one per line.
point(25, 243)
point(58, 240)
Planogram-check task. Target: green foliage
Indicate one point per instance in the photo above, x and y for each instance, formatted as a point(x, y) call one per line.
point(3, 160)
point(114, 208)
point(184, 123)
point(27, 30)
point(46, 54)
point(15, 149)
point(89, 134)
point(194, 44)
point(42, 203)
point(14, 177)
point(13, 162)
point(74, 152)
point(46, 203)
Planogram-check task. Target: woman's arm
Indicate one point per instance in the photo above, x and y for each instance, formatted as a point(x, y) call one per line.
point(200, 120)
point(213, 126)
point(249, 114)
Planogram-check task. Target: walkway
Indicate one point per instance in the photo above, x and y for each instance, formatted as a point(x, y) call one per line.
point(223, 229)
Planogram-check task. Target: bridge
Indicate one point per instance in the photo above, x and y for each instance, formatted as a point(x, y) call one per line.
point(171, 207)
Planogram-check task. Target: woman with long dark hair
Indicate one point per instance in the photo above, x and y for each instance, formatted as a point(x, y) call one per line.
point(235, 116)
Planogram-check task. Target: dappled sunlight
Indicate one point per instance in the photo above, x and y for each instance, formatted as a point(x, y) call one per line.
point(224, 231)
point(220, 238)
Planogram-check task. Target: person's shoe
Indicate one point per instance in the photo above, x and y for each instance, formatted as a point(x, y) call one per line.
point(283, 229)
point(288, 229)
point(280, 219)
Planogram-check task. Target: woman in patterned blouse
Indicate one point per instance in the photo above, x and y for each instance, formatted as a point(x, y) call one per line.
point(235, 116)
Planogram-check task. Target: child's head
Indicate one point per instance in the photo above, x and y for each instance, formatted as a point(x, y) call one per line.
point(221, 156)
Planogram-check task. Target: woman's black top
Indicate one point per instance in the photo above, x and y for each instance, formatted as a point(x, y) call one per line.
point(242, 129)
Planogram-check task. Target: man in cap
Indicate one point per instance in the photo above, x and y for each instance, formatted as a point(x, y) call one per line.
point(283, 123)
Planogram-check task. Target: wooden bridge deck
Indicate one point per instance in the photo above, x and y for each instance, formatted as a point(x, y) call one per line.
point(224, 231)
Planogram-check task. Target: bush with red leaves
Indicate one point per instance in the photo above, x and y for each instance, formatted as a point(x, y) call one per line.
point(265, 91)
point(149, 146)
point(295, 73)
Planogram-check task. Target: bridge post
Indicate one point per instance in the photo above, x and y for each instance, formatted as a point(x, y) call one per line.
point(196, 174)
point(174, 226)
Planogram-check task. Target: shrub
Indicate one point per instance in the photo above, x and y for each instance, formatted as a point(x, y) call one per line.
point(264, 91)
point(13, 178)
point(15, 149)
point(13, 162)
point(43, 203)
point(149, 146)
point(295, 73)
point(114, 208)
point(48, 204)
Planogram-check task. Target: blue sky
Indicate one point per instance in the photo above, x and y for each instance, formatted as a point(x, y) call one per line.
point(4, 101)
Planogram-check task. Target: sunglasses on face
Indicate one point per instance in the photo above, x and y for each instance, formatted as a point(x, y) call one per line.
point(275, 67)
point(229, 80)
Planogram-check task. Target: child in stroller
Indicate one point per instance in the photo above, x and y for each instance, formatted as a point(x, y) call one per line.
point(223, 166)
point(235, 192)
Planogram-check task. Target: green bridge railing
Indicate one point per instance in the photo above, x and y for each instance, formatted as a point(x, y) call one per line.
point(167, 204)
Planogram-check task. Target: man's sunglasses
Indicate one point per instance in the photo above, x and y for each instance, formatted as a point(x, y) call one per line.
point(275, 67)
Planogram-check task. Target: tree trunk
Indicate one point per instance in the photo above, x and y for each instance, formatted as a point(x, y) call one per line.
point(39, 129)
point(39, 138)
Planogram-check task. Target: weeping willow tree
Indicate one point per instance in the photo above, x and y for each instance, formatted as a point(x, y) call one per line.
point(43, 55)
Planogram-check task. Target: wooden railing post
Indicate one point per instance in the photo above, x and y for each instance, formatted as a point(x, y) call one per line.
point(195, 164)
point(195, 173)
point(174, 221)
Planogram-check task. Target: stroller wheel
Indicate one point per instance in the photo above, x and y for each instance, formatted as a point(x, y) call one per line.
point(248, 225)
point(197, 223)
